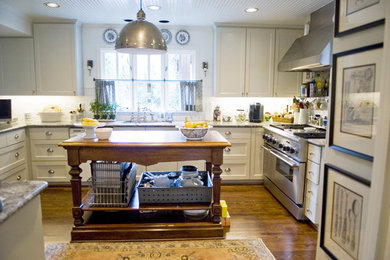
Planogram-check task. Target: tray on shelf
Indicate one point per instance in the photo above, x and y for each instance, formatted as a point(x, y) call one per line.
point(158, 195)
point(112, 184)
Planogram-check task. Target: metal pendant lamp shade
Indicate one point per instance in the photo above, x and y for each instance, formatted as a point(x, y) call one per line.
point(140, 37)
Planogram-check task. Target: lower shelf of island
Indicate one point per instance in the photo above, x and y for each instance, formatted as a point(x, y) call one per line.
point(136, 222)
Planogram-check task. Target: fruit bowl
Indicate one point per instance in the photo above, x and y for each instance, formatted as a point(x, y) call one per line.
point(89, 129)
point(193, 134)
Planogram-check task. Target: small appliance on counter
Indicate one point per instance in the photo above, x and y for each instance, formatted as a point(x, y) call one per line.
point(5, 110)
point(256, 113)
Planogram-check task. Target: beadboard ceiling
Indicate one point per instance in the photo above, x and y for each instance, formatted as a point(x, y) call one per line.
point(178, 12)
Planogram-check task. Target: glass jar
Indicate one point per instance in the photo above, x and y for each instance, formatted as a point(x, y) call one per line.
point(241, 115)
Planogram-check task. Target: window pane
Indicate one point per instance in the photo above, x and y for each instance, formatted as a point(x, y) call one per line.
point(124, 66)
point(123, 95)
point(149, 96)
point(155, 67)
point(173, 96)
point(173, 66)
point(142, 67)
point(109, 65)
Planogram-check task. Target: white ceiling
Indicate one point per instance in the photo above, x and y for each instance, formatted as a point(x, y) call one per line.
point(178, 12)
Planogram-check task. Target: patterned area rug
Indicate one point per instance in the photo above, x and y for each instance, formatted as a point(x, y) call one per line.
point(181, 250)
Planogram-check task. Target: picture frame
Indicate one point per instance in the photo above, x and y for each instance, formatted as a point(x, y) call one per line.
point(355, 100)
point(352, 16)
point(344, 214)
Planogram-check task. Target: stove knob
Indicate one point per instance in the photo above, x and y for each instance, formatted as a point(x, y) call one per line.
point(292, 150)
point(264, 136)
point(280, 146)
point(286, 148)
point(274, 140)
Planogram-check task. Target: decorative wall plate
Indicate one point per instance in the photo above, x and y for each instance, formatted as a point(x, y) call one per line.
point(182, 37)
point(167, 35)
point(110, 35)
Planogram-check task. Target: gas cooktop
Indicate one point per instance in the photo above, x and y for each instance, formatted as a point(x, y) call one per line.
point(302, 130)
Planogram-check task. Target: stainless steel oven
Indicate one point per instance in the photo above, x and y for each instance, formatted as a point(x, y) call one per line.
point(287, 174)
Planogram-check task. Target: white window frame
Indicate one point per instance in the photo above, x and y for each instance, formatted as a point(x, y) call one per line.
point(133, 73)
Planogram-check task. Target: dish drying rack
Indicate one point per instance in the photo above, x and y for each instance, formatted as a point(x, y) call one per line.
point(112, 184)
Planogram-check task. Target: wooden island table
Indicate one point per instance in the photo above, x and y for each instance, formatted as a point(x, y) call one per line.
point(152, 221)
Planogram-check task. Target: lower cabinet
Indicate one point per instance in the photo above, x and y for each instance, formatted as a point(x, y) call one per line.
point(314, 173)
point(13, 156)
point(49, 161)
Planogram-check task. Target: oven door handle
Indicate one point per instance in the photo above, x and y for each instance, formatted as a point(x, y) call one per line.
point(282, 157)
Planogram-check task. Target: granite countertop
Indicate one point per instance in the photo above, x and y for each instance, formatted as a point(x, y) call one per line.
point(16, 194)
point(318, 142)
point(14, 126)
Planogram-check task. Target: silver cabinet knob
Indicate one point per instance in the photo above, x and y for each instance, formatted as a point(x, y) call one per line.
point(18, 178)
point(228, 133)
point(227, 170)
point(227, 149)
point(17, 155)
point(16, 136)
point(51, 171)
point(48, 133)
point(50, 150)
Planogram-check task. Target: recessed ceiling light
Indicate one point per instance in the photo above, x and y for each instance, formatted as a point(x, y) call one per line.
point(128, 20)
point(154, 7)
point(251, 10)
point(163, 21)
point(52, 4)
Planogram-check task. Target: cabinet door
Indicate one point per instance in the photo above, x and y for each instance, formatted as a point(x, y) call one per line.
point(230, 62)
point(17, 74)
point(55, 59)
point(259, 62)
point(286, 84)
point(257, 154)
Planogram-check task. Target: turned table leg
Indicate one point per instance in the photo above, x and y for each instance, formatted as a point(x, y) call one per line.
point(217, 159)
point(75, 172)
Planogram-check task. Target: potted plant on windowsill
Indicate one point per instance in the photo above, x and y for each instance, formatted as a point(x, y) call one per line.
point(96, 108)
point(112, 109)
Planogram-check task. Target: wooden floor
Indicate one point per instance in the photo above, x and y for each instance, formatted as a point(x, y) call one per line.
point(254, 212)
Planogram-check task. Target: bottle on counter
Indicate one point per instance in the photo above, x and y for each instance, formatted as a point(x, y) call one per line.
point(217, 114)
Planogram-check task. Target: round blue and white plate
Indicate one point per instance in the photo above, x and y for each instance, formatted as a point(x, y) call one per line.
point(182, 37)
point(167, 35)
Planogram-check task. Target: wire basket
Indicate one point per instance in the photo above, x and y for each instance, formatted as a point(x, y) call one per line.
point(112, 184)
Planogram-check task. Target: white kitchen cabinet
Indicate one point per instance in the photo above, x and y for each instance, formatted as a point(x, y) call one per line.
point(230, 61)
point(17, 73)
point(244, 61)
point(49, 161)
point(286, 84)
point(57, 59)
point(13, 155)
point(237, 158)
point(314, 179)
point(257, 142)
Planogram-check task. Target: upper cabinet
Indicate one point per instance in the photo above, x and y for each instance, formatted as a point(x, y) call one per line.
point(57, 59)
point(17, 74)
point(286, 84)
point(247, 60)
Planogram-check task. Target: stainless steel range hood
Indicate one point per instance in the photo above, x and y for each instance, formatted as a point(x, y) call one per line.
point(312, 51)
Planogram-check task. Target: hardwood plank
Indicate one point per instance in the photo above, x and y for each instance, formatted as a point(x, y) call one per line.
point(254, 213)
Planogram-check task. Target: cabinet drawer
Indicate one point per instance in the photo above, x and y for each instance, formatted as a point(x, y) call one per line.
point(16, 136)
point(49, 133)
point(18, 174)
point(311, 190)
point(51, 171)
point(314, 153)
point(12, 156)
point(231, 133)
point(235, 171)
point(311, 210)
point(313, 171)
point(237, 149)
point(43, 150)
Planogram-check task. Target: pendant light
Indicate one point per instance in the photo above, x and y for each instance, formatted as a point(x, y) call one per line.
point(141, 37)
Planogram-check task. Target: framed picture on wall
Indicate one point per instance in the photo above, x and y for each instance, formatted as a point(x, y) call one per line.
point(355, 15)
point(345, 203)
point(355, 100)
